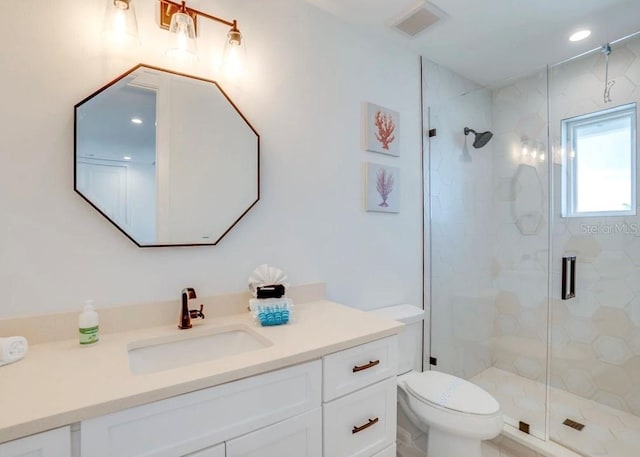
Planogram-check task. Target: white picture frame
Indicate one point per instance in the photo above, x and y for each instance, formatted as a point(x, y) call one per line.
point(381, 130)
point(382, 188)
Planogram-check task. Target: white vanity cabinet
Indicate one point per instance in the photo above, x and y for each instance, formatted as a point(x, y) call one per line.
point(341, 406)
point(54, 443)
point(193, 422)
point(359, 394)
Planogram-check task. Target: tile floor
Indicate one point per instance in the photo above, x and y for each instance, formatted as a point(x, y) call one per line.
point(607, 433)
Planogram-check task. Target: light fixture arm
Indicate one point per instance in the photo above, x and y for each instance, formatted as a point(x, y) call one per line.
point(182, 7)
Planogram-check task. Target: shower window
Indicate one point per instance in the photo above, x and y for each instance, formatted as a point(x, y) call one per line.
point(599, 163)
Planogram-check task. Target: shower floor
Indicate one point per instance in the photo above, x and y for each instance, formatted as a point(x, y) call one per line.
point(608, 432)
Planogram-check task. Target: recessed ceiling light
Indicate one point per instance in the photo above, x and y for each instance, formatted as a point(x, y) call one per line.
point(580, 35)
point(127, 158)
point(136, 120)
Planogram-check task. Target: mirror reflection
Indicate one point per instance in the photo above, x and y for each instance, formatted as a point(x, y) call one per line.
point(528, 200)
point(166, 157)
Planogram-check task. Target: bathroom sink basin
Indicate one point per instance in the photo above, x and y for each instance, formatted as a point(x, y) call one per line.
point(192, 346)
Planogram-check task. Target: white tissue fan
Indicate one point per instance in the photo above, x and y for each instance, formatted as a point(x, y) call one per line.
point(265, 275)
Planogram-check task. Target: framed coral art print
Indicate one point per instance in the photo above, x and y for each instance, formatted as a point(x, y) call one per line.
point(381, 130)
point(382, 188)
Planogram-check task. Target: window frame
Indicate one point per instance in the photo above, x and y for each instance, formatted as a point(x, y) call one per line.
point(570, 159)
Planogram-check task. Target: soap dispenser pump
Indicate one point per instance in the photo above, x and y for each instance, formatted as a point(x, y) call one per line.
point(88, 324)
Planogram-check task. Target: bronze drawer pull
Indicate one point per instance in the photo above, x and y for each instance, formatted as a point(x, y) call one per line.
point(366, 367)
point(365, 426)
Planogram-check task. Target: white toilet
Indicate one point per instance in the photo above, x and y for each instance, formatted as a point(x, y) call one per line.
point(459, 415)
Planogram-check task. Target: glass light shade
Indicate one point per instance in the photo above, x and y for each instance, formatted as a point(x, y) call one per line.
point(182, 37)
point(234, 58)
point(120, 23)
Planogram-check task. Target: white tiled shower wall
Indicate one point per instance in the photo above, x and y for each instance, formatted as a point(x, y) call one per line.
point(520, 257)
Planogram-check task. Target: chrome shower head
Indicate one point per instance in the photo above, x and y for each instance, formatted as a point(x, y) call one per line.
point(481, 139)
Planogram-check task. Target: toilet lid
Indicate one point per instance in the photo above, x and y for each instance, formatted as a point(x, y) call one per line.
point(452, 393)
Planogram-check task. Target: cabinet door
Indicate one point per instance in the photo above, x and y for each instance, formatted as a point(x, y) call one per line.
point(300, 436)
point(214, 451)
point(194, 421)
point(54, 443)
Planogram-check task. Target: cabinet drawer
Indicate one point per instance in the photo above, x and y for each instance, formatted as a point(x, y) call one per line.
point(388, 452)
point(300, 436)
point(194, 421)
point(214, 451)
point(352, 369)
point(54, 443)
point(363, 423)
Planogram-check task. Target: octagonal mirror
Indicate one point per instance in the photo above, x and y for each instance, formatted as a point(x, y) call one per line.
point(166, 157)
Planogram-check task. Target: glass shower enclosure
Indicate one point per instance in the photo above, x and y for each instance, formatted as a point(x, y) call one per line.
point(534, 245)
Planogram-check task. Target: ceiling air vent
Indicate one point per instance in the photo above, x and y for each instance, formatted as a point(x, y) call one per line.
point(419, 19)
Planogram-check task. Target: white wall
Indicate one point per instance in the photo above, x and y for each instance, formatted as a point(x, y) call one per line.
point(308, 75)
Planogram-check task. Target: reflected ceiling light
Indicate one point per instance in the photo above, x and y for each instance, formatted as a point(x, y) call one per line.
point(136, 120)
point(127, 158)
point(120, 24)
point(182, 23)
point(580, 35)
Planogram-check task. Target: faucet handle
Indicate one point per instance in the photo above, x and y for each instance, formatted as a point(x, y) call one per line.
point(197, 313)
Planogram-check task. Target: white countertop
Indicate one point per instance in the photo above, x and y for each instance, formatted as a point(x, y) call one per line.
point(60, 383)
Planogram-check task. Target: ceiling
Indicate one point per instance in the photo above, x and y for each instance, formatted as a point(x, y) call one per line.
point(492, 41)
point(104, 127)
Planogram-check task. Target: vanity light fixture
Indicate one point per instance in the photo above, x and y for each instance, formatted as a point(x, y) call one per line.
point(136, 120)
point(182, 38)
point(120, 23)
point(182, 22)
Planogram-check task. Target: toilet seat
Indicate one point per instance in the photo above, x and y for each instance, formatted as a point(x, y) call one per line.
point(452, 393)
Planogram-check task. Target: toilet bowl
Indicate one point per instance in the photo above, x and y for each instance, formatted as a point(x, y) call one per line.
point(457, 414)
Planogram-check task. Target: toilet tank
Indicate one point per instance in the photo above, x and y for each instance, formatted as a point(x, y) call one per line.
point(410, 337)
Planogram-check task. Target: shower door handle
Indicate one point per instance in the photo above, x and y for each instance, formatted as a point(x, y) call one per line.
point(568, 277)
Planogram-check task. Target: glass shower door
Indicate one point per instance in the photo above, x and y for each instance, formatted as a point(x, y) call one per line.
point(595, 358)
point(489, 240)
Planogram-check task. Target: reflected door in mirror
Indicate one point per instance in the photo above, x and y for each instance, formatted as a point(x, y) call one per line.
point(167, 158)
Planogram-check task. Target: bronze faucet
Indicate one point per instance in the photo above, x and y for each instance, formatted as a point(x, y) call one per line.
point(187, 314)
